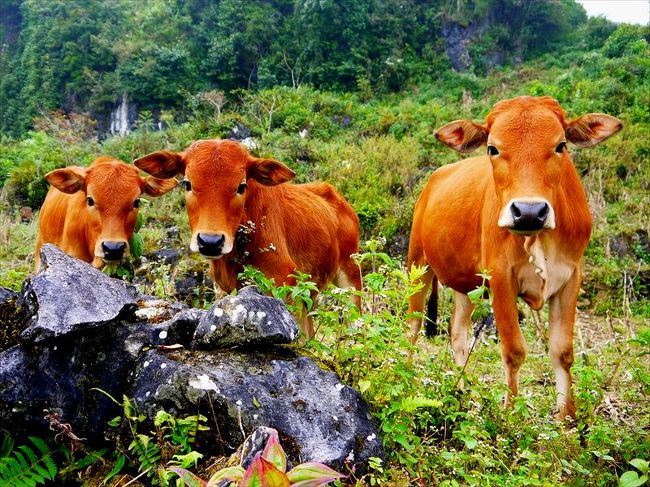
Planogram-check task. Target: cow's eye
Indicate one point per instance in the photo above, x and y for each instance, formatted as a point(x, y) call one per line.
point(492, 151)
point(90, 201)
point(560, 147)
point(136, 203)
point(241, 188)
point(188, 185)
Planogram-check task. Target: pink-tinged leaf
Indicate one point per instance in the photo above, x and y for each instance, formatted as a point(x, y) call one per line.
point(262, 473)
point(188, 477)
point(312, 474)
point(234, 474)
point(274, 453)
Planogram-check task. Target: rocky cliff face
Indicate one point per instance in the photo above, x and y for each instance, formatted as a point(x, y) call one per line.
point(84, 331)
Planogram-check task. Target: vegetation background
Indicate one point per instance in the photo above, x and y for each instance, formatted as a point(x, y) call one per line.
point(350, 92)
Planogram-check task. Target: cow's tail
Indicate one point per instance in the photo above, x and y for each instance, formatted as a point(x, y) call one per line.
point(431, 325)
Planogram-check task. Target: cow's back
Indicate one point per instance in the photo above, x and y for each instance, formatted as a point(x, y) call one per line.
point(345, 218)
point(448, 219)
point(318, 225)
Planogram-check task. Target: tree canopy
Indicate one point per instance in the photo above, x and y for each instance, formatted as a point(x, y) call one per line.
point(83, 55)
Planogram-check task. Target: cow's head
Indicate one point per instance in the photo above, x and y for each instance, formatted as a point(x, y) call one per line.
point(526, 140)
point(217, 176)
point(112, 191)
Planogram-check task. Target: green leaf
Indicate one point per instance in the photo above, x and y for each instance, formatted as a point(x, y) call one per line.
point(233, 474)
point(639, 464)
point(7, 445)
point(138, 222)
point(476, 295)
point(364, 385)
point(115, 422)
point(410, 404)
point(262, 473)
point(29, 453)
point(470, 443)
point(375, 281)
point(137, 245)
point(312, 474)
point(189, 459)
point(274, 453)
point(402, 440)
point(631, 479)
point(188, 477)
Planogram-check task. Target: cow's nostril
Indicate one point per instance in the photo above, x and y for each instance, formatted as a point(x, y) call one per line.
point(529, 216)
point(113, 250)
point(543, 212)
point(209, 244)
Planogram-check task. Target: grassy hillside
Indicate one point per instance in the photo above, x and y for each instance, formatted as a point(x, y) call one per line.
point(378, 151)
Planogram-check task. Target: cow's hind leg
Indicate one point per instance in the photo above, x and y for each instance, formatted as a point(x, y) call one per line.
point(459, 327)
point(349, 275)
point(562, 313)
point(416, 301)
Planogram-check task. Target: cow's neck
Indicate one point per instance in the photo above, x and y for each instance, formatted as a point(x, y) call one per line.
point(250, 238)
point(545, 270)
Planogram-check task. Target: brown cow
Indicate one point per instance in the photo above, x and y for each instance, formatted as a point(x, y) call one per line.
point(90, 213)
point(518, 212)
point(297, 227)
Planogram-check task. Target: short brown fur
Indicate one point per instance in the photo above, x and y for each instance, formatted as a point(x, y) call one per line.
point(297, 227)
point(463, 224)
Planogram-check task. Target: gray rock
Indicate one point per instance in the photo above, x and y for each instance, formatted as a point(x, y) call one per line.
point(619, 245)
point(248, 319)
point(91, 332)
point(166, 256)
point(239, 132)
point(187, 286)
point(168, 323)
point(69, 295)
point(317, 417)
point(173, 233)
point(60, 373)
point(7, 295)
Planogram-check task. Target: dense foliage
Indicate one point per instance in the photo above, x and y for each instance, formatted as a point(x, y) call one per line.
point(84, 55)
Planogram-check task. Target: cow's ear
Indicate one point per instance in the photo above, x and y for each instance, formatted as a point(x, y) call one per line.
point(162, 164)
point(462, 135)
point(68, 179)
point(158, 187)
point(269, 172)
point(592, 129)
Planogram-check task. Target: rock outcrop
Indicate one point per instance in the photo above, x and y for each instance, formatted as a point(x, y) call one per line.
point(87, 333)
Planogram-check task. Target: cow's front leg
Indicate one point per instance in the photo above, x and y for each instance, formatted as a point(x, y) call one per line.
point(562, 314)
point(513, 346)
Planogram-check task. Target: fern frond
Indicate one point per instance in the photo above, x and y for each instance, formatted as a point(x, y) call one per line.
point(23, 467)
point(6, 446)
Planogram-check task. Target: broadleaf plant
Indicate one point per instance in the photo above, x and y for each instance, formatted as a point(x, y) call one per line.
point(268, 469)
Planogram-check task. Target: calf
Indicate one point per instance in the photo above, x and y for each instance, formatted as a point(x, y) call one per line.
point(90, 213)
point(297, 227)
point(518, 212)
